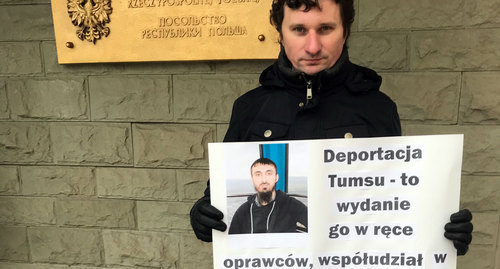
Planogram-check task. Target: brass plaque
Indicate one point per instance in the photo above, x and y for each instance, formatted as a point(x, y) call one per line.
point(89, 31)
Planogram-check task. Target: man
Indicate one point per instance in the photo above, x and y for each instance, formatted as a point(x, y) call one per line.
point(313, 91)
point(269, 210)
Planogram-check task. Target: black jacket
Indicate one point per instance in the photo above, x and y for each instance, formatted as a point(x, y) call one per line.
point(345, 99)
point(284, 215)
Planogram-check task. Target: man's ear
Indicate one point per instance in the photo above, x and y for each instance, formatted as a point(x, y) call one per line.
point(277, 177)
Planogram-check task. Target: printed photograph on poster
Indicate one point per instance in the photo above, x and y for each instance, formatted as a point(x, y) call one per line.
point(266, 194)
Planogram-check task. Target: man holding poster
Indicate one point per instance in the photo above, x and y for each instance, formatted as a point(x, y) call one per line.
point(313, 91)
point(269, 210)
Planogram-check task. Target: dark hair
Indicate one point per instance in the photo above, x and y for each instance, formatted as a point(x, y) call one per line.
point(264, 161)
point(278, 7)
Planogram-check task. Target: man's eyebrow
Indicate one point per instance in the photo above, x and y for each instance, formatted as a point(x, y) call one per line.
point(293, 25)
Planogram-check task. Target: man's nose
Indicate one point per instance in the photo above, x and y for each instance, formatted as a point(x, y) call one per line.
point(313, 44)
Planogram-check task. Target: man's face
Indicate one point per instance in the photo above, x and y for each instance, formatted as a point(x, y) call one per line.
point(264, 177)
point(313, 40)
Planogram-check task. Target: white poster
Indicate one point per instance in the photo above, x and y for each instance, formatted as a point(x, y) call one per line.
point(370, 203)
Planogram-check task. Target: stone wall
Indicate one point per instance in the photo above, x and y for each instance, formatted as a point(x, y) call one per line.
point(100, 163)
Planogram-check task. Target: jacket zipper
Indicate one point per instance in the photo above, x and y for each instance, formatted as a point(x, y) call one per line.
point(309, 93)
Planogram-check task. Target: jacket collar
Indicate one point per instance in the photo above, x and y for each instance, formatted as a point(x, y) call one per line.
point(282, 74)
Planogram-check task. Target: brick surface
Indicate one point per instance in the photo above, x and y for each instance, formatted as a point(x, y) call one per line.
point(8, 265)
point(221, 131)
point(4, 106)
point(91, 143)
point(65, 245)
point(485, 227)
point(478, 257)
point(9, 182)
point(379, 51)
point(480, 145)
point(21, 210)
point(131, 98)
point(141, 248)
point(192, 183)
point(23, 58)
point(209, 98)
point(51, 99)
point(160, 68)
point(484, 13)
point(135, 183)
point(424, 96)
point(26, 22)
point(195, 253)
point(243, 66)
point(479, 49)
point(25, 143)
point(171, 145)
point(401, 14)
point(481, 193)
point(167, 216)
point(57, 180)
point(13, 243)
point(480, 100)
point(95, 213)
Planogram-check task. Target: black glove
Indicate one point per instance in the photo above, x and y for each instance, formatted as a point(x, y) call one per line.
point(459, 230)
point(204, 218)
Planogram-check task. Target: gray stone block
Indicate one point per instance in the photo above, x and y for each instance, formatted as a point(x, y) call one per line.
point(480, 145)
point(65, 245)
point(144, 98)
point(221, 131)
point(195, 253)
point(165, 216)
point(424, 96)
point(17, 265)
point(23, 210)
point(192, 183)
point(483, 13)
point(23, 58)
point(480, 99)
point(478, 49)
point(243, 66)
point(171, 145)
point(480, 193)
point(96, 213)
point(9, 182)
point(485, 227)
point(25, 143)
point(4, 106)
point(92, 143)
point(135, 183)
point(7, 265)
point(380, 51)
point(48, 99)
point(209, 97)
point(13, 243)
point(160, 68)
point(26, 22)
point(478, 257)
point(401, 14)
point(135, 248)
point(57, 180)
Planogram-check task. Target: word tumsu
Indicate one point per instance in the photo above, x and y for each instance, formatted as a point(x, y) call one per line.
point(373, 155)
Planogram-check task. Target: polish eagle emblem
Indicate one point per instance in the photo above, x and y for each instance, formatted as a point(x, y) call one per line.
point(90, 16)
